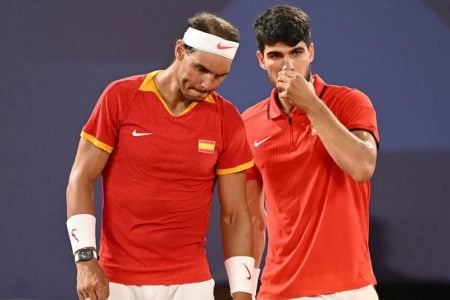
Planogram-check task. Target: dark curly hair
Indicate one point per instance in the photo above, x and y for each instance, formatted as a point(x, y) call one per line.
point(282, 23)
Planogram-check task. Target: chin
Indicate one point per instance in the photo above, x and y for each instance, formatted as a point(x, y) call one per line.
point(196, 98)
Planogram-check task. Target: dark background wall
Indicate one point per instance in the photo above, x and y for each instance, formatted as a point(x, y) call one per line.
point(57, 56)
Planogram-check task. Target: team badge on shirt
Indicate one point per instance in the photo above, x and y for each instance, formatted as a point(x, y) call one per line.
point(206, 146)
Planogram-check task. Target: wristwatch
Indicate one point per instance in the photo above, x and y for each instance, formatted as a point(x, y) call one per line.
point(85, 254)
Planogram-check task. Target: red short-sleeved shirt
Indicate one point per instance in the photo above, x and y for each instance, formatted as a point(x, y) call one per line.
point(158, 182)
point(317, 216)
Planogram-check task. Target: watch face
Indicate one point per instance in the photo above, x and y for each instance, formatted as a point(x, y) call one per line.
point(85, 254)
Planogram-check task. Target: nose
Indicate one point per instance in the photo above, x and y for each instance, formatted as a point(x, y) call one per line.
point(288, 64)
point(208, 82)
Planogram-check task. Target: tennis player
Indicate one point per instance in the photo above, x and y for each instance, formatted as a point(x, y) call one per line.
point(315, 148)
point(160, 141)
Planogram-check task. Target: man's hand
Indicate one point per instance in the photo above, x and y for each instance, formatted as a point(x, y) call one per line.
point(92, 283)
point(294, 89)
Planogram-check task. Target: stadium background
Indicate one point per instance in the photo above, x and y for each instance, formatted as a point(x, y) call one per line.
point(57, 56)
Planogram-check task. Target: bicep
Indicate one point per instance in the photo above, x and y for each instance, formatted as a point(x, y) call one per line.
point(88, 165)
point(232, 192)
point(89, 161)
point(368, 157)
point(368, 139)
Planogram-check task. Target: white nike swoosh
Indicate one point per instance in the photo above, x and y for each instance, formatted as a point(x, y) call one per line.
point(256, 144)
point(135, 133)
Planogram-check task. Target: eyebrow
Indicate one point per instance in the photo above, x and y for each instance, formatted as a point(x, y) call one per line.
point(208, 70)
point(298, 48)
point(290, 51)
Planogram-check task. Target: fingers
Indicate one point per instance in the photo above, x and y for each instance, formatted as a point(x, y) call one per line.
point(285, 75)
point(285, 78)
point(102, 294)
point(92, 296)
point(86, 295)
point(92, 283)
point(280, 86)
point(94, 293)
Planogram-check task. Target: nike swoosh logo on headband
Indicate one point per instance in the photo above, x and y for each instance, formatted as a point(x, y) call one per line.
point(223, 47)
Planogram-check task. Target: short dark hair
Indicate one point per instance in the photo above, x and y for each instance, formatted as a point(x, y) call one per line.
point(282, 23)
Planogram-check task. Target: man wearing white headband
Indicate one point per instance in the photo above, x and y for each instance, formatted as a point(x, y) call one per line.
point(160, 141)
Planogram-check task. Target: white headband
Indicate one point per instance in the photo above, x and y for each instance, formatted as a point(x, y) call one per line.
point(210, 43)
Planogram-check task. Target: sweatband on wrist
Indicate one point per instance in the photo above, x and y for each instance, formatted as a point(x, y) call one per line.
point(81, 229)
point(240, 273)
point(210, 43)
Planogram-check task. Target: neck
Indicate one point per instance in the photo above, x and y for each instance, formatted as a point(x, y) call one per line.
point(285, 107)
point(167, 86)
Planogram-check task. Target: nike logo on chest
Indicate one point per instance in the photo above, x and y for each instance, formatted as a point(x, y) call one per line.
point(137, 134)
point(256, 144)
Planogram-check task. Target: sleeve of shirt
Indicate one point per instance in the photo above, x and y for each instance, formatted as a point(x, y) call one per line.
point(360, 113)
point(102, 126)
point(236, 155)
point(254, 174)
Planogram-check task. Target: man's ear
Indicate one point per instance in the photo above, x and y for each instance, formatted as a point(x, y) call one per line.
point(179, 49)
point(311, 52)
point(260, 58)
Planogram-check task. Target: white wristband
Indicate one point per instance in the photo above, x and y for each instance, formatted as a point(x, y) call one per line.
point(240, 273)
point(81, 229)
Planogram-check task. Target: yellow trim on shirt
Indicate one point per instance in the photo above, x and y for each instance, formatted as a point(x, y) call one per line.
point(209, 99)
point(96, 142)
point(148, 85)
point(237, 169)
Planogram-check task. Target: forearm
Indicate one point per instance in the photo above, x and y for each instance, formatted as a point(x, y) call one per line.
point(237, 234)
point(259, 241)
point(353, 155)
point(237, 239)
point(255, 203)
point(80, 196)
point(238, 253)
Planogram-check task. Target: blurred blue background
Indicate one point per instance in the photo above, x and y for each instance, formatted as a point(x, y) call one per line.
point(57, 56)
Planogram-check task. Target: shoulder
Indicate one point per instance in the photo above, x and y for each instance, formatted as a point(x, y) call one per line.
point(340, 94)
point(130, 83)
point(225, 106)
point(221, 101)
point(120, 93)
point(255, 110)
